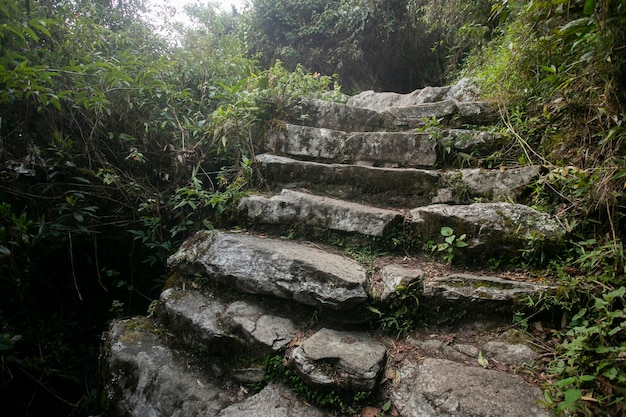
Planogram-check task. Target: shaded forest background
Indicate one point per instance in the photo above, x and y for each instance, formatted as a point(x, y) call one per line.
point(120, 136)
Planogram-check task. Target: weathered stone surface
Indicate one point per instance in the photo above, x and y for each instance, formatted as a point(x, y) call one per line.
point(387, 187)
point(142, 377)
point(442, 388)
point(461, 352)
point(477, 288)
point(307, 142)
point(476, 295)
point(504, 228)
point(337, 116)
point(381, 101)
point(466, 89)
point(342, 360)
point(509, 353)
point(274, 267)
point(504, 352)
point(394, 276)
point(469, 141)
point(397, 149)
point(257, 327)
point(194, 318)
point(493, 184)
point(404, 149)
point(274, 400)
point(292, 208)
point(419, 115)
point(478, 112)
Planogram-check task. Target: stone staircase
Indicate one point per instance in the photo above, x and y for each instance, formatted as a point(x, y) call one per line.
point(272, 316)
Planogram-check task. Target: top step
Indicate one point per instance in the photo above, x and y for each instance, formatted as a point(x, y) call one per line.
point(369, 111)
point(464, 90)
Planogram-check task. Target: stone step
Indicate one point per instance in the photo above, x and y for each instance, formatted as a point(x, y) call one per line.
point(463, 296)
point(278, 268)
point(464, 90)
point(381, 100)
point(340, 360)
point(492, 229)
point(292, 208)
point(436, 387)
point(395, 187)
point(389, 187)
point(446, 295)
point(459, 371)
point(459, 103)
point(339, 116)
point(503, 184)
point(275, 400)
point(208, 323)
point(409, 149)
point(144, 377)
point(405, 149)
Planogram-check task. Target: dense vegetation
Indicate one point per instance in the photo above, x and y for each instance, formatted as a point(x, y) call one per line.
point(116, 142)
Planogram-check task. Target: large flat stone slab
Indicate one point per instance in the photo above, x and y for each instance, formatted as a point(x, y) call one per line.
point(386, 187)
point(333, 359)
point(464, 90)
point(195, 319)
point(476, 296)
point(278, 268)
point(396, 149)
point(443, 388)
point(274, 400)
point(399, 149)
point(382, 100)
point(502, 228)
point(420, 114)
point(294, 208)
point(492, 184)
point(142, 377)
point(478, 112)
point(257, 327)
point(307, 142)
point(500, 349)
point(470, 142)
point(396, 279)
point(337, 116)
point(209, 324)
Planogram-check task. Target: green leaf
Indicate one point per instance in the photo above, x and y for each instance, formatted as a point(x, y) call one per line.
point(569, 399)
point(611, 373)
point(564, 382)
point(446, 231)
point(387, 406)
point(590, 7)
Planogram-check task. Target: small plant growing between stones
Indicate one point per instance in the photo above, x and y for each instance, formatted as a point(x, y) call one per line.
point(430, 123)
point(398, 316)
point(277, 370)
point(450, 245)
